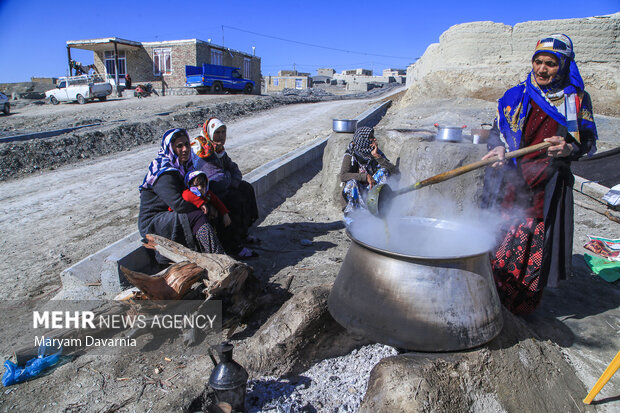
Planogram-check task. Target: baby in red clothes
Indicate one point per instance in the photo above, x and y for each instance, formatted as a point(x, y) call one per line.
point(198, 193)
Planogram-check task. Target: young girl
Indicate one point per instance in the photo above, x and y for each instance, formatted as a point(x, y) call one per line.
point(199, 194)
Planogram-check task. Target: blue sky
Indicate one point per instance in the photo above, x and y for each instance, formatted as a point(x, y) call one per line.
point(33, 33)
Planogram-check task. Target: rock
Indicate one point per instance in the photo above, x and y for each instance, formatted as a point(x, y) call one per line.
point(417, 159)
point(514, 372)
point(483, 59)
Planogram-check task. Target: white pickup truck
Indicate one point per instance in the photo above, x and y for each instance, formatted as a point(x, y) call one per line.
point(79, 88)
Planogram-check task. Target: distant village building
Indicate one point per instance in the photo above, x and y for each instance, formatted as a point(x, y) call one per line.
point(287, 79)
point(318, 79)
point(394, 72)
point(362, 79)
point(358, 72)
point(325, 72)
point(162, 63)
point(292, 73)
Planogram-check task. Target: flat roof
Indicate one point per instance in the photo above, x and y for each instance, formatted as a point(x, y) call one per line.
point(101, 44)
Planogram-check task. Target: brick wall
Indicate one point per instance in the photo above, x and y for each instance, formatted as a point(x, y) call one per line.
point(139, 62)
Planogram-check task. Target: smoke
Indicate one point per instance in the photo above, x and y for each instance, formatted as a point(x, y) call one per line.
point(429, 224)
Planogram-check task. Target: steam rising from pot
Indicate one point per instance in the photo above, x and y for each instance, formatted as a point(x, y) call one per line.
point(439, 228)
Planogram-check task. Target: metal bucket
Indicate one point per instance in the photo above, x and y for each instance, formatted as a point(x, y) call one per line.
point(344, 125)
point(481, 135)
point(423, 303)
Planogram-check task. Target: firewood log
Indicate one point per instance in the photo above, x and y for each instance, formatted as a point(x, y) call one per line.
point(171, 284)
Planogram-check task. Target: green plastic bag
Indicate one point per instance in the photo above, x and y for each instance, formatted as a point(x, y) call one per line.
point(607, 270)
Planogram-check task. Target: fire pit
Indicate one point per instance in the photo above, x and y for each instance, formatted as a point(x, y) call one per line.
point(434, 300)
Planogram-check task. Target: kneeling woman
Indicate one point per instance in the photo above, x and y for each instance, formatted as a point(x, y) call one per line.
point(162, 208)
point(363, 166)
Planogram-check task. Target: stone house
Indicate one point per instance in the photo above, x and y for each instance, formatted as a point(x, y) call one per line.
point(163, 63)
point(358, 72)
point(287, 79)
point(394, 72)
point(325, 72)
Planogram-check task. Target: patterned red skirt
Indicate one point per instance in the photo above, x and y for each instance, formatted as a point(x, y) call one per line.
point(516, 266)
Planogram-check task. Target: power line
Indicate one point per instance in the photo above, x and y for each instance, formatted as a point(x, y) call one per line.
point(316, 45)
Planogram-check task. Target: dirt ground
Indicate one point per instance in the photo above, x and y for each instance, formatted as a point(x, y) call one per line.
point(53, 219)
point(55, 200)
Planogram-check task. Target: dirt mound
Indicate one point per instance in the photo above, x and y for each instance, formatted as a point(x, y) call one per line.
point(26, 90)
point(484, 59)
point(29, 156)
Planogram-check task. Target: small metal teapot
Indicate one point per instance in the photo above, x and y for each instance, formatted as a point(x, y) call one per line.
point(228, 379)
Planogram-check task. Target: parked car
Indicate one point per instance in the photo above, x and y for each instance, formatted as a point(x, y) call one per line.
point(217, 78)
point(4, 103)
point(79, 88)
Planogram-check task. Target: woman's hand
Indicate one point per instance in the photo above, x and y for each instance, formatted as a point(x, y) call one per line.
point(375, 150)
point(498, 151)
point(226, 220)
point(560, 148)
point(370, 180)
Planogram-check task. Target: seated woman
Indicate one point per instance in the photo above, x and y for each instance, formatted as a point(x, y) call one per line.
point(163, 211)
point(226, 182)
point(534, 192)
point(363, 167)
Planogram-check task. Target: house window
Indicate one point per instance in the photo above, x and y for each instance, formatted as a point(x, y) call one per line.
point(162, 62)
point(109, 63)
point(246, 67)
point(216, 57)
point(276, 81)
point(298, 83)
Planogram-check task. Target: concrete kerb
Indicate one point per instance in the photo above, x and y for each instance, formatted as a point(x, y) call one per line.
point(98, 276)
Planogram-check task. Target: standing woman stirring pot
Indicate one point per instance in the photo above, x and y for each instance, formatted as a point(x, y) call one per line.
point(534, 193)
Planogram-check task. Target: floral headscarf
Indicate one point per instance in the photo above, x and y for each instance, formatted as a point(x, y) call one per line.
point(166, 160)
point(203, 145)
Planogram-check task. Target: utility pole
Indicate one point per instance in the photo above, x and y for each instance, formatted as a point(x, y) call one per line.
point(222, 35)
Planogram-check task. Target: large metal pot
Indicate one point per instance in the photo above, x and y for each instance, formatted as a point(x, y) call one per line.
point(423, 303)
point(449, 133)
point(344, 125)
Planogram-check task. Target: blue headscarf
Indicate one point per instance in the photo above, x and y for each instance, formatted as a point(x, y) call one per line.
point(166, 160)
point(564, 99)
